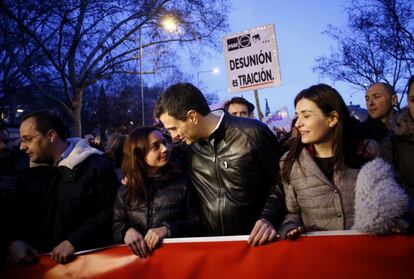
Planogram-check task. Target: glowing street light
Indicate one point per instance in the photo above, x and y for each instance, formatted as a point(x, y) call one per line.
point(215, 71)
point(169, 24)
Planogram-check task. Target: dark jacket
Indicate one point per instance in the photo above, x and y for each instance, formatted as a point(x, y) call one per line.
point(373, 129)
point(170, 204)
point(12, 163)
point(72, 201)
point(236, 178)
point(398, 149)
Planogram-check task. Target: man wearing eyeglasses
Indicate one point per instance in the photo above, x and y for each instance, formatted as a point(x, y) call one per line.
point(64, 203)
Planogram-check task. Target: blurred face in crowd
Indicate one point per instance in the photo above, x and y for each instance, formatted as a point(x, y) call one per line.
point(379, 102)
point(34, 143)
point(312, 124)
point(239, 110)
point(158, 153)
point(179, 130)
point(4, 141)
point(411, 100)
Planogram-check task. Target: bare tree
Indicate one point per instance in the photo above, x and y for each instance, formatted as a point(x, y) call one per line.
point(376, 45)
point(83, 41)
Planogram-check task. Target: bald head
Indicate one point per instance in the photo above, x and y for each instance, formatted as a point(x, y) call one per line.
point(383, 87)
point(380, 100)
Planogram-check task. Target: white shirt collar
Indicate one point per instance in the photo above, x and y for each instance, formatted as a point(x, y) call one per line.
point(218, 113)
point(221, 114)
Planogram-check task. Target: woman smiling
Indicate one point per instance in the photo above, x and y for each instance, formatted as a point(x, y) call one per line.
point(157, 200)
point(320, 171)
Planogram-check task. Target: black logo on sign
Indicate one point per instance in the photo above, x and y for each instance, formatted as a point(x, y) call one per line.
point(239, 42)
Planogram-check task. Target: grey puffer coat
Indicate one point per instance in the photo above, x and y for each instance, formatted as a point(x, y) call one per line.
point(315, 202)
point(367, 199)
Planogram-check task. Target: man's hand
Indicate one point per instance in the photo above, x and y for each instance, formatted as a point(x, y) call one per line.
point(63, 252)
point(262, 233)
point(22, 253)
point(155, 236)
point(136, 243)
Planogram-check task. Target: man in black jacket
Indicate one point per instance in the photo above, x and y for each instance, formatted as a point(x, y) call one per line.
point(64, 203)
point(380, 100)
point(234, 165)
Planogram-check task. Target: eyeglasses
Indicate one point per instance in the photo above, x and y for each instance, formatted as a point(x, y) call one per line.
point(28, 140)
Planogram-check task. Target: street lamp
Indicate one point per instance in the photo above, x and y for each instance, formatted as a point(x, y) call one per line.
point(169, 24)
point(141, 78)
point(214, 71)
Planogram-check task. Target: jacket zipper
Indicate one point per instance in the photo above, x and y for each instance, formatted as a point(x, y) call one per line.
point(216, 164)
point(149, 208)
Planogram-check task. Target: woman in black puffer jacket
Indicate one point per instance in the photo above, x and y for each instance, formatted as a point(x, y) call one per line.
point(157, 199)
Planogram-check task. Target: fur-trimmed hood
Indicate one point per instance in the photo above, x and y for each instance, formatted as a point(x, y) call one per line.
point(402, 124)
point(77, 151)
point(380, 202)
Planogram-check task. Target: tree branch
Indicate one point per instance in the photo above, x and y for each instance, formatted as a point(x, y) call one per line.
point(31, 34)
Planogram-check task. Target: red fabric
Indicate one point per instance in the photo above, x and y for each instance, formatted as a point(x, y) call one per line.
point(358, 256)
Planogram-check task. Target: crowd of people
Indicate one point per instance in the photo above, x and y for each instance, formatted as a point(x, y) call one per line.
point(199, 172)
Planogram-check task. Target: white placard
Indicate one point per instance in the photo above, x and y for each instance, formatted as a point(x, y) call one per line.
point(251, 59)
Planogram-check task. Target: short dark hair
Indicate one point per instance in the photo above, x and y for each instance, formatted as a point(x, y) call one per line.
point(178, 99)
point(239, 100)
point(47, 120)
point(410, 84)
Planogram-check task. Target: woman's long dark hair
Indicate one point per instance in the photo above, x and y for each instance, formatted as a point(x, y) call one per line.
point(114, 149)
point(136, 169)
point(345, 137)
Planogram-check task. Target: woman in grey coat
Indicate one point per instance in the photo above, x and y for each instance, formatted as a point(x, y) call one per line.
point(320, 171)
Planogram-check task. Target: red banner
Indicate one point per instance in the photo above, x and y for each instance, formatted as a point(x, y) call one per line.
point(333, 256)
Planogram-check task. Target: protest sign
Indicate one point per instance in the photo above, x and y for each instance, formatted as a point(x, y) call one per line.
point(251, 59)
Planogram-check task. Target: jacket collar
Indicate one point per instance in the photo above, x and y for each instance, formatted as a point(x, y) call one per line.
point(218, 133)
point(307, 162)
point(77, 152)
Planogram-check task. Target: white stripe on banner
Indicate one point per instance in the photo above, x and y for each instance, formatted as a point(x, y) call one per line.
point(224, 239)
